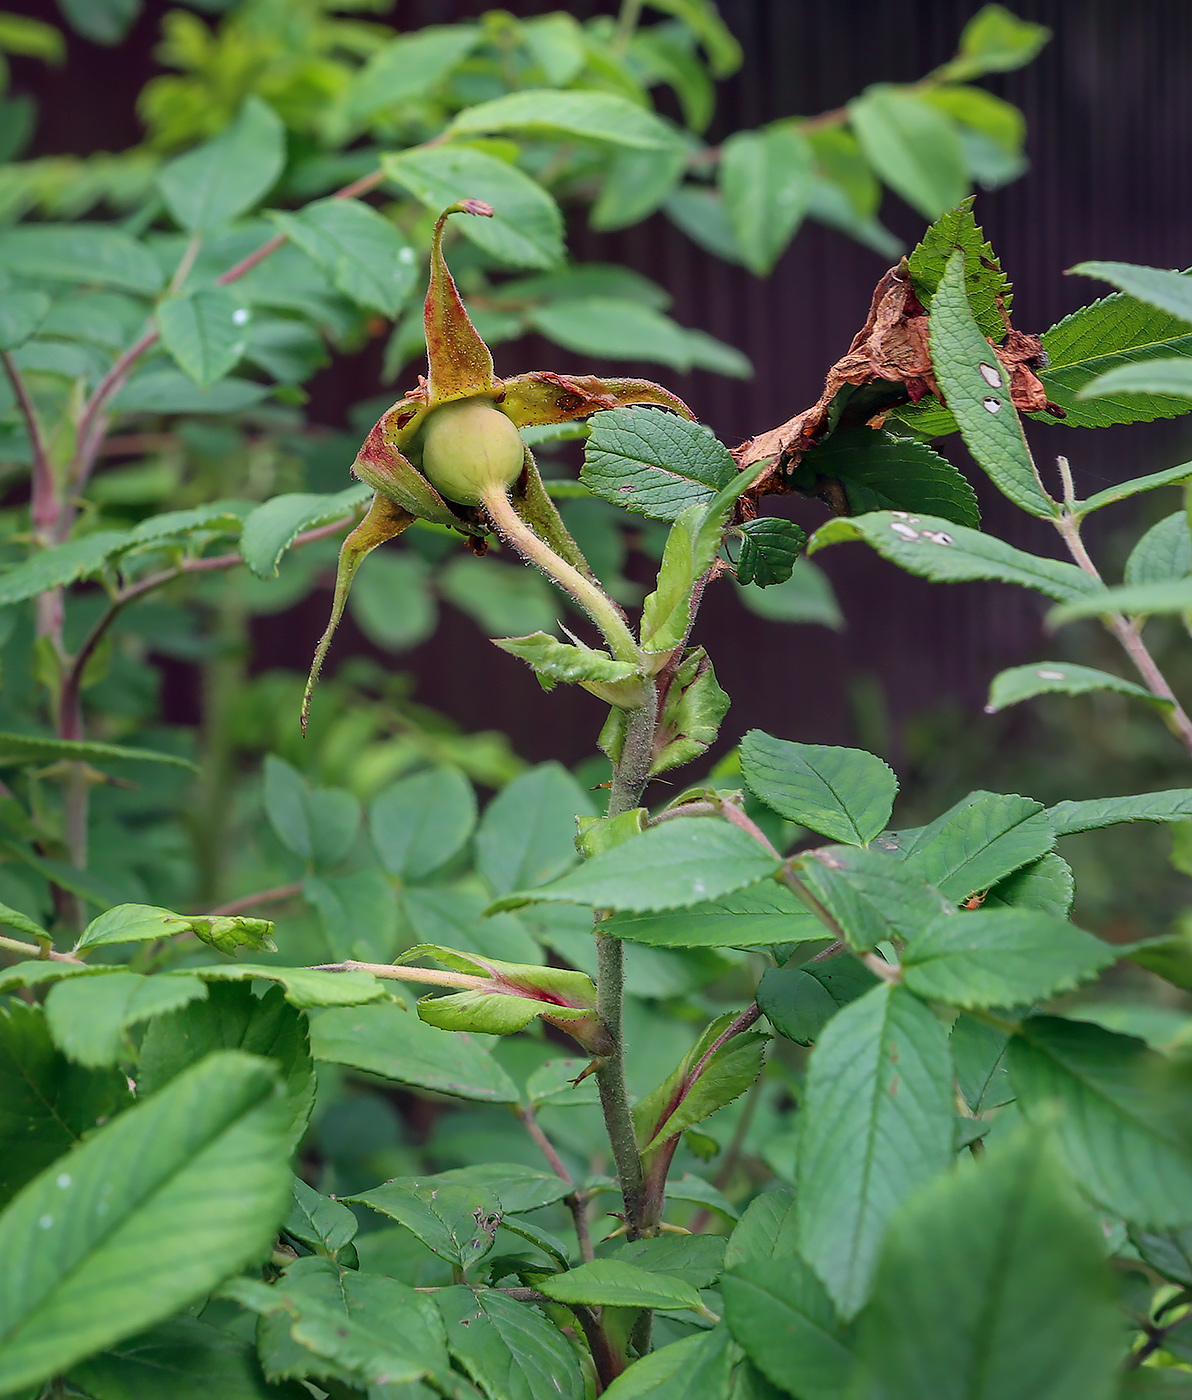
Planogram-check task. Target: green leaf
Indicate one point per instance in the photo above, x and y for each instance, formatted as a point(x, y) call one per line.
point(979, 1057)
point(274, 526)
point(518, 1188)
point(205, 331)
point(701, 1365)
point(358, 913)
point(765, 1231)
point(800, 1001)
point(223, 178)
point(527, 228)
point(1046, 885)
point(700, 214)
point(654, 463)
point(982, 838)
point(508, 1349)
point(233, 1017)
point(667, 867)
point(691, 546)
point(671, 1108)
point(637, 182)
point(780, 1315)
point(409, 66)
point(317, 824)
point(14, 919)
point(592, 116)
point(947, 553)
point(1163, 553)
point(60, 565)
point(805, 597)
point(1058, 678)
point(1001, 957)
point(882, 472)
point(1119, 1121)
point(1169, 1254)
point(769, 547)
point(362, 252)
point(766, 179)
point(19, 749)
point(527, 834)
point(1008, 1245)
point(1109, 334)
point(184, 1358)
point(171, 391)
point(499, 598)
point(1172, 378)
point(458, 1223)
point(996, 41)
point(843, 793)
point(337, 1324)
point(304, 987)
point(1158, 287)
point(699, 1259)
point(88, 1016)
point(870, 895)
point(385, 1039)
point(978, 393)
point(767, 913)
point(99, 254)
point(1135, 600)
point(1067, 818)
point(391, 602)
point(616, 329)
point(616, 1284)
point(876, 1123)
point(320, 1223)
point(554, 661)
point(984, 281)
point(47, 1103)
point(912, 146)
point(992, 132)
point(97, 1272)
point(21, 313)
point(422, 822)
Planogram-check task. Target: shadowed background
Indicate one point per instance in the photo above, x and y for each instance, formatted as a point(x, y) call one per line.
point(1109, 118)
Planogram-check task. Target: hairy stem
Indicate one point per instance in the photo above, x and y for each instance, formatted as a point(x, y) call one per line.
point(631, 773)
point(253, 901)
point(1124, 629)
point(44, 505)
point(31, 950)
point(594, 601)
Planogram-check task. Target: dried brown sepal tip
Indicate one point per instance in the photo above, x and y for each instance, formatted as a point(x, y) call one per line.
point(890, 357)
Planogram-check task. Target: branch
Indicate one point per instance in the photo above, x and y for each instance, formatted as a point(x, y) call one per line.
point(400, 973)
point(31, 950)
point(44, 509)
point(1125, 630)
point(251, 901)
point(576, 1201)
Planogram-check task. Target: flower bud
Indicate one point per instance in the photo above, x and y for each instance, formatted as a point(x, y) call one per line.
point(470, 447)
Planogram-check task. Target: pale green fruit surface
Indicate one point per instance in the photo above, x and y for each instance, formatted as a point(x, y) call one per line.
point(469, 448)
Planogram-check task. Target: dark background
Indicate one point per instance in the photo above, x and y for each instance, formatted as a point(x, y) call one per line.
point(1108, 107)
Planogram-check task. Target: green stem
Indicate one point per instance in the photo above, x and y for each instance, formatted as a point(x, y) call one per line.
point(631, 773)
point(594, 601)
point(627, 22)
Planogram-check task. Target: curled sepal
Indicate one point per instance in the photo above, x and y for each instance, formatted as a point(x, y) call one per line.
point(381, 464)
point(510, 996)
point(460, 364)
point(384, 521)
point(553, 661)
point(543, 397)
